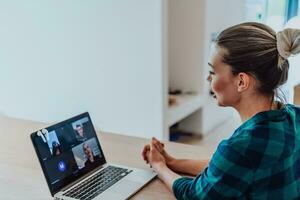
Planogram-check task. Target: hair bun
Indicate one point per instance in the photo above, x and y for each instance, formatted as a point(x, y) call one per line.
point(288, 42)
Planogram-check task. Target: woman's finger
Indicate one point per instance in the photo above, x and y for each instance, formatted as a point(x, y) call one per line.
point(155, 144)
point(145, 151)
point(153, 148)
point(158, 142)
point(158, 145)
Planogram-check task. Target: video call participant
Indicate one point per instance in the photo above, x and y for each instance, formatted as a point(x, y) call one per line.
point(56, 148)
point(80, 133)
point(92, 160)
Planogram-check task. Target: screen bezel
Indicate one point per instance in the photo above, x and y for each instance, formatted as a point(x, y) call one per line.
point(71, 178)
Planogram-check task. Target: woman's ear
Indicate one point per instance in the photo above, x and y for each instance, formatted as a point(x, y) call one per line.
point(243, 81)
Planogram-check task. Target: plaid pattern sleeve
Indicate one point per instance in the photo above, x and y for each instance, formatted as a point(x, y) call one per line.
point(228, 175)
point(261, 160)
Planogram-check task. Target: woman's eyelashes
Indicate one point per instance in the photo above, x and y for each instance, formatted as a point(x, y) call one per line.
point(211, 72)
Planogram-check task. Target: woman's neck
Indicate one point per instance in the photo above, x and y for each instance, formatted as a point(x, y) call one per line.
point(251, 105)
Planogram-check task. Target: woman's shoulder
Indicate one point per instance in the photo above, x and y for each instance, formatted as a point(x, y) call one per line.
point(293, 110)
point(263, 145)
point(267, 137)
point(248, 139)
point(269, 125)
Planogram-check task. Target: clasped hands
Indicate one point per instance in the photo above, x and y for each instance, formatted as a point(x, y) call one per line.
point(156, 155)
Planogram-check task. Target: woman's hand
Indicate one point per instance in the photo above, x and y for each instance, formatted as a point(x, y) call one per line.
point(185, 166)
point(157, 161)
point(160, 148)
point(155, 158)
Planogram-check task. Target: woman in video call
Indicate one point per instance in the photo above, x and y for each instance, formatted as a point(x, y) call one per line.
point(91, 159)
point(56, 149)
point(261, 160)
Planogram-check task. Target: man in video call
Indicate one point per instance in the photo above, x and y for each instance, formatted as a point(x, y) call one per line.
point(92, 160)
point(80, 134)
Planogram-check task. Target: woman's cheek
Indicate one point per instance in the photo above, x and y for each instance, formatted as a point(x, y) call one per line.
point(212, 89)
point(214, 85)
point(219, 84)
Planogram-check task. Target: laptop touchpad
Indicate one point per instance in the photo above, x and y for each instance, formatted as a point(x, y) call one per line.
point(125, 186)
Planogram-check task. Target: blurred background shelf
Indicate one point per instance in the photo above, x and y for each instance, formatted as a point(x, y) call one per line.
point(185, 105)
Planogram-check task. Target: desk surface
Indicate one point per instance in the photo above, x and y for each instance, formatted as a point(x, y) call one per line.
point(21, 176)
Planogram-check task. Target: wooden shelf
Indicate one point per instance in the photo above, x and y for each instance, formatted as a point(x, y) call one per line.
point(186, 105)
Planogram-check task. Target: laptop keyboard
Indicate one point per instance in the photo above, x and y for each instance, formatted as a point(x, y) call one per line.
point(97, 183)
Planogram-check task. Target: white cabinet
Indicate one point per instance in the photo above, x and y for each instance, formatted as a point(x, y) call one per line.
point(190, 26)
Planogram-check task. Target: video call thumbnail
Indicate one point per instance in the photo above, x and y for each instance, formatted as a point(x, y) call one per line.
point(87, 154)
point(53, 144)
point(60, 167)
point(82, 130)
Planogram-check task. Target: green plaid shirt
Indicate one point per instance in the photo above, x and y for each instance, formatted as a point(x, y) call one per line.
point(261, 160)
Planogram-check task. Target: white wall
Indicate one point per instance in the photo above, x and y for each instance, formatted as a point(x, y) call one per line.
point(294, 62)
point(186, 30)
point(218, 16)
point(61, 58)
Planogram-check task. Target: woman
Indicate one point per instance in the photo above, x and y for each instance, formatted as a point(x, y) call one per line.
point(56, 148)
point(91, 159)
point(261, 160)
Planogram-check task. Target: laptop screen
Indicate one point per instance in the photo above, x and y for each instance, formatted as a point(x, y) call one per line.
point(67, 151)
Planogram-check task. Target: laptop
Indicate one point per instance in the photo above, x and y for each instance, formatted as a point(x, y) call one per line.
point(74, 164)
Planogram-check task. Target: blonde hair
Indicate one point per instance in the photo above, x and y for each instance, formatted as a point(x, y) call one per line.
point(256, 49)
point(288, 43)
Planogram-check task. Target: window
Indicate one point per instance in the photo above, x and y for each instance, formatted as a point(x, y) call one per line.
point(274, 13)
point(255, 10)
point(292, 9)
